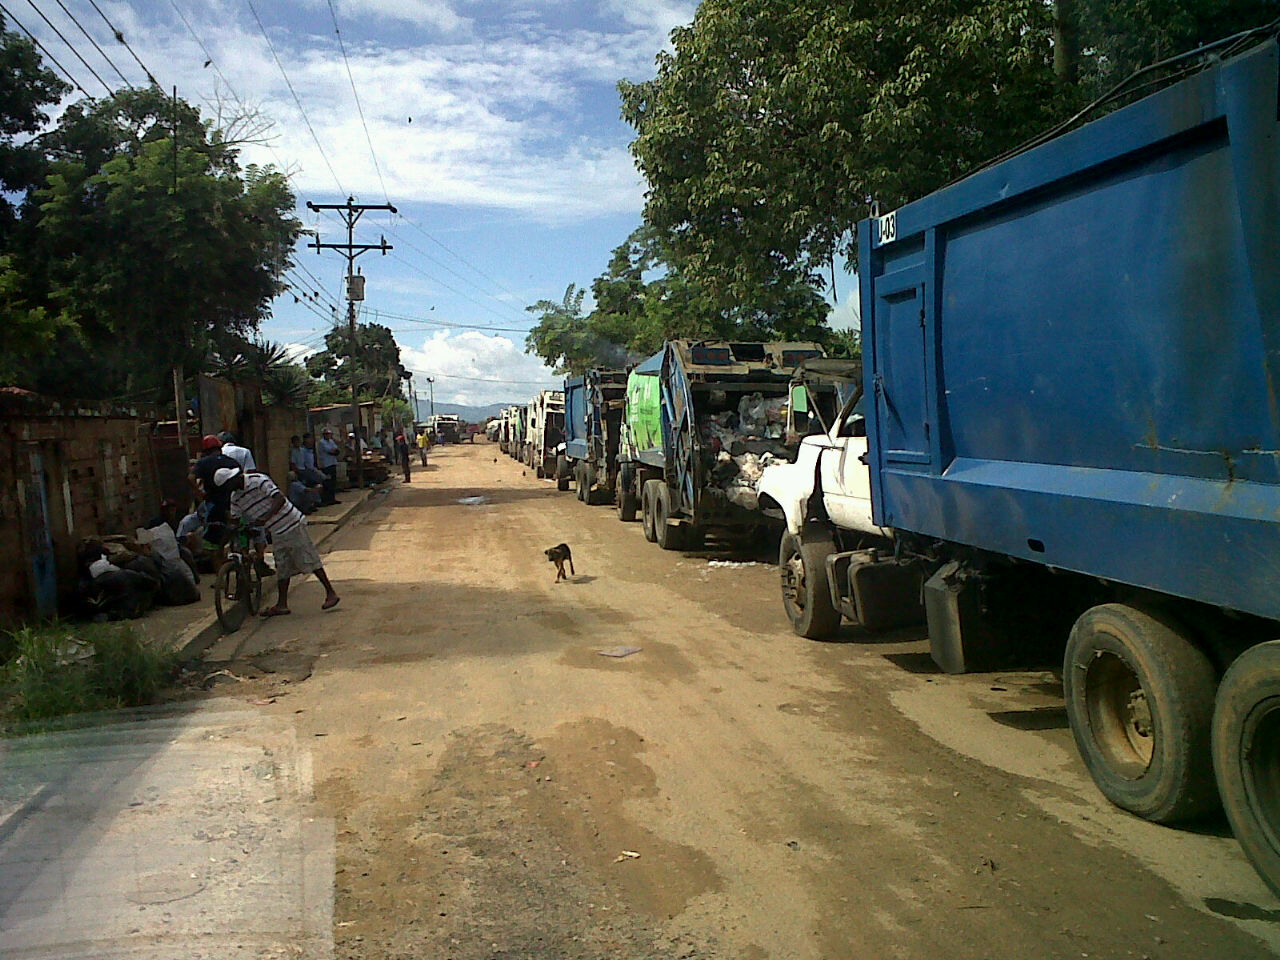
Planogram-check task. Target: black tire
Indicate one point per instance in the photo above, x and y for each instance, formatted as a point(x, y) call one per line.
point(1246, 755)
point(253, 591)
point(589, 495)
point(670, 536)
point(562, 473)
point(624, 500)
point(1140, 700)
point(806, 594)
point(230, 588)
point(648, 503)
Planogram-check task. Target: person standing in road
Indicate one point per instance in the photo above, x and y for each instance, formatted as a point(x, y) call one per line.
point(239, 454)
point(327, 451)
point(402, 452)
point(256, 498)
point(424, 442)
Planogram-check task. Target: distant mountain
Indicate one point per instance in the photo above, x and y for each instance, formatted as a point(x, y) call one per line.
point(469, 414)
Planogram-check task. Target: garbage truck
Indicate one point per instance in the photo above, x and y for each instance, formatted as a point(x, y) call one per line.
point(594, 404)
point(702, 418)
point(1072, 432)
point(545, 432)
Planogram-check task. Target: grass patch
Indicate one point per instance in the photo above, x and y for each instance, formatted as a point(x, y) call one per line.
point(61, 669)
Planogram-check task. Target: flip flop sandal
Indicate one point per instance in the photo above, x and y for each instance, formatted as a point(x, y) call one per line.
point(275, 612)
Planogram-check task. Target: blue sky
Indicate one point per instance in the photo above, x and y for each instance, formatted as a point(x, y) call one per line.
point(494, 128)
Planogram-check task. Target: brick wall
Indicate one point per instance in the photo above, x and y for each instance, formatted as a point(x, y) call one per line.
point(99, 477)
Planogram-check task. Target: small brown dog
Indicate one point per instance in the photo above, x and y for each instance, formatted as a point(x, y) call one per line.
point(560, 555)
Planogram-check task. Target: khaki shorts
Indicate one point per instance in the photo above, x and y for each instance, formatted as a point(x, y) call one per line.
point(295, 553)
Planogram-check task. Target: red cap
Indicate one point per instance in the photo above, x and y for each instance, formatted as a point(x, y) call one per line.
point(210, 442)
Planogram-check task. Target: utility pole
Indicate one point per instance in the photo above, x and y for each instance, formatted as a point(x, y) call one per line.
point(350, 213)
point(431, 383)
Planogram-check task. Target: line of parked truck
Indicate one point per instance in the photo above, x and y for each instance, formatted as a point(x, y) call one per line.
point(1064, 435)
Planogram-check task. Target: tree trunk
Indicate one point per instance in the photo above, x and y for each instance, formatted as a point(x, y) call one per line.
point(1066, 50)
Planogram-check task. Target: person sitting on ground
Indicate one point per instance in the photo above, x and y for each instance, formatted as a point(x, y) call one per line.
point(302, 461)
point(327, 453)
point(255, 498)
point(239, 454)
point(306, 499)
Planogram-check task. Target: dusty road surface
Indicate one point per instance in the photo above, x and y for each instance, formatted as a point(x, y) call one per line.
point(500, 789)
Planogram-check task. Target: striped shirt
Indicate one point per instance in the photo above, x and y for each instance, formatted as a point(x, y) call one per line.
point(262, 503)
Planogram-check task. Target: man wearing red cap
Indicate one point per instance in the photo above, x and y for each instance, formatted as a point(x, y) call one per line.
point(201, 478)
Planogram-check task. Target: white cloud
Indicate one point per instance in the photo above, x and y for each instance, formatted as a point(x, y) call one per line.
point(660, 16)
point(423, 13)
point(465, 366)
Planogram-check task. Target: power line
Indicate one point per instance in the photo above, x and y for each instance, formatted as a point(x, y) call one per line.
point(459, 257)
point(88, 37)
point(440, 263)
point(67, 42)
point(296, 100)
point(444, 323)
point(456, 376)
point(359, 109)
point(115, 32)
point(483, 306)
point(41, 47)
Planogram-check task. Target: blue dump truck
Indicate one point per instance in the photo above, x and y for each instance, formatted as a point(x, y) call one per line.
point(594, 407)
point(1072, 366)
point(702, 419)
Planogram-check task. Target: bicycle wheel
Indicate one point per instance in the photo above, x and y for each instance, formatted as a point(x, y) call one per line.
point(229, 591)
point(252, 588)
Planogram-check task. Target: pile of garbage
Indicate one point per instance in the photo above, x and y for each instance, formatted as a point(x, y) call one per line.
point(744, 442)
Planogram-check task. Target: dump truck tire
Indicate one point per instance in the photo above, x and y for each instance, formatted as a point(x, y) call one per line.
point(1140, 698)
point(1246, 755)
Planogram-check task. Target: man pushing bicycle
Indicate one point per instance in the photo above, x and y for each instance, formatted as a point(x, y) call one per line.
point(256, 498)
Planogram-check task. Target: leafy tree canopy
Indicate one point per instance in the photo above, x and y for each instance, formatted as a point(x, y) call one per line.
point(149, 255)
point(773, 123)
point(641, 301)
point(27, 87)
point(376, 366)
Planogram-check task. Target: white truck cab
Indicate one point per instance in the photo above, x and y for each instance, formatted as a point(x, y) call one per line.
point(833, 558)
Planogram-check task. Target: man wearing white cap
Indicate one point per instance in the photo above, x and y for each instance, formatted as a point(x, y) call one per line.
point(256, 498)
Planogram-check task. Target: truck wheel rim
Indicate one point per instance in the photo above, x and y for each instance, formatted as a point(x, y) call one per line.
point(1119, 715)
point(1260, 764)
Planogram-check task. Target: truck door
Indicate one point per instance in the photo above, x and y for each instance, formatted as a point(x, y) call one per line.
point(680, 432)
point(901, 368)
point(846, 478)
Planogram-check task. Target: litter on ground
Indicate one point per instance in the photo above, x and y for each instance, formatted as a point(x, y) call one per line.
point(618, 652)
point(472, 501)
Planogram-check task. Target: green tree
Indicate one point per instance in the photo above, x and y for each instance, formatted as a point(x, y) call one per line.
point(27, 88)
point(641, 300)
point(562, 337)
point(157, 254)
point(376, 362)
point(772, 122)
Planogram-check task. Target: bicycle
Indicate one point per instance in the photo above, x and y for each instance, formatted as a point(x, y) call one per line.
point(237, 589)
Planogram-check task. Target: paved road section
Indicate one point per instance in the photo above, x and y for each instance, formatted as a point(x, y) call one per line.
point(181, 834)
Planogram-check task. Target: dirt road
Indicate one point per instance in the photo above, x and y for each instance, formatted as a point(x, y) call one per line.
point(502, 790)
